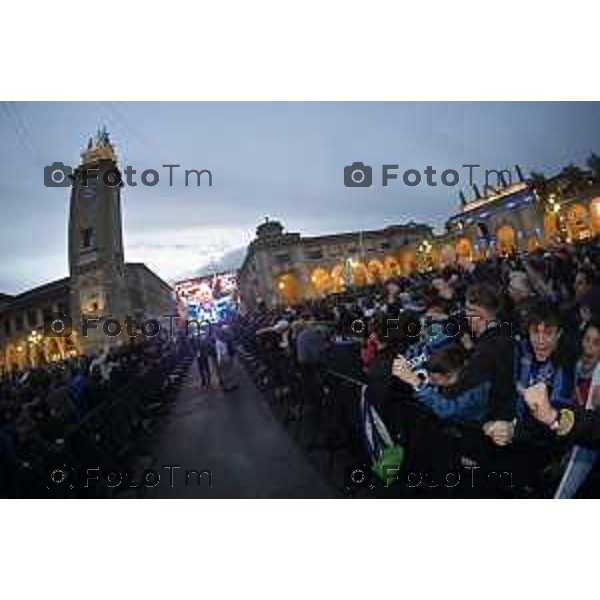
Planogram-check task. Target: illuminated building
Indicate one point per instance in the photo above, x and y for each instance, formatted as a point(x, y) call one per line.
point(521, 217)
point(283, 268)
point(100, 284)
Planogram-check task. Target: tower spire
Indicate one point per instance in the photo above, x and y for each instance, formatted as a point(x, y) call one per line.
point(98, 149)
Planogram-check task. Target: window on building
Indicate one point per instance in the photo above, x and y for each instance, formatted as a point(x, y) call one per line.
point(62, 309)
point(19, 323)
point(87, 237)
point(7, 327)
point(385, 245)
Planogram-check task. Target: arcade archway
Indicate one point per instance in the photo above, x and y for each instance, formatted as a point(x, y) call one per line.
point(447, 255)
point(360, 274)
point(505, 239)
point(376, 271)
point(337, 279)
point(37, 355)
point(578, 222)
point(391, 267)
point(320, 281)
point(409, 262)
point(595, 213)
point(288, 288)
point(16, 357)
point(11, 358)
point(53, 350)
point(464, 249)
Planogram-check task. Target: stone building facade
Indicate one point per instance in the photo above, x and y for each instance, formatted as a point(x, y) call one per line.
point(100, 284)
point(283, 268)
point(517, 219)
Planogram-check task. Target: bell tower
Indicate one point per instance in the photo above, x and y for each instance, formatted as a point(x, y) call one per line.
point(96, 261)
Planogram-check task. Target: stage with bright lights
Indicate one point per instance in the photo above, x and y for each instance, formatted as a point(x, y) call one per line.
point(209, 298)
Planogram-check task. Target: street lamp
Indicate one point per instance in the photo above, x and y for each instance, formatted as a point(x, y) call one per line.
point(424, 255)
point(34, 339)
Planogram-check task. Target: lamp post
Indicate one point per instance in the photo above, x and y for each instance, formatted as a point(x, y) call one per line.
point(424, 252)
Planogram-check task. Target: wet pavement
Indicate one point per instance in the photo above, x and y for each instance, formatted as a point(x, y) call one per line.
point(235, 445)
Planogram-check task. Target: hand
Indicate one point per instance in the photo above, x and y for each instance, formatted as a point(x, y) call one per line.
point(403, 371)
point(501, 432)
point(536, 398)
point(467, 341)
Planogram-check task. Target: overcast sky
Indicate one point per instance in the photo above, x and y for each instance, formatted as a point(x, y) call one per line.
point(282, 160)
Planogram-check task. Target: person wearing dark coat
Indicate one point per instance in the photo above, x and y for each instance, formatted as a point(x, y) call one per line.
point(491, 362)
point(205, 352)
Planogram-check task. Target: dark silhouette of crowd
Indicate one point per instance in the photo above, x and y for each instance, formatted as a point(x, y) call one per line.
point(478, 379)
point(476, 368)
point(85, 411)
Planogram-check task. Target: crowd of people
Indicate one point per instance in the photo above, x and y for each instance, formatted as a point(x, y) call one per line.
point(86, 410)
point(491, 365)
point(494, 363)
point(214, 351)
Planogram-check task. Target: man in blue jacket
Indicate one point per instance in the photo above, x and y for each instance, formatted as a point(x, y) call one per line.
point(439, 393)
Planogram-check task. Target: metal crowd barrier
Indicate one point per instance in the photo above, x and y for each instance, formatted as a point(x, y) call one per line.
point(114, 434)
point(319, 408)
